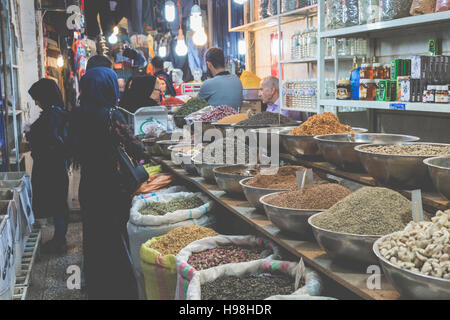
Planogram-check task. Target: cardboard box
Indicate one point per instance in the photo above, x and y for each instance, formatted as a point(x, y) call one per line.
point(395, 68)
point(383, 90)
point(393, 90)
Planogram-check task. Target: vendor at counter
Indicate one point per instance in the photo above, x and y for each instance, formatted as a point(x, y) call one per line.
point(270, 95)
point(223, 88)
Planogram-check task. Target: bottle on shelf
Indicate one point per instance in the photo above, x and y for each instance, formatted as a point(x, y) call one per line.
point(354, 79)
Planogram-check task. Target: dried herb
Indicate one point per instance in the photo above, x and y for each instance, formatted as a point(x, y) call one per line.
point(413, 150)
point(264, 118)
point(192, 105)
point(161, 208)
point(251, 287)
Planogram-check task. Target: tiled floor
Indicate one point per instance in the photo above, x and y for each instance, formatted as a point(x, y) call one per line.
point(49, 277)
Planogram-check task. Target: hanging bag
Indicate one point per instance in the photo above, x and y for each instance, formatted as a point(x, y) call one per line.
point(132, 174)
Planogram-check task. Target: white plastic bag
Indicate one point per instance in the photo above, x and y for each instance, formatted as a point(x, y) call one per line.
point(173, 189)
point(185, 272)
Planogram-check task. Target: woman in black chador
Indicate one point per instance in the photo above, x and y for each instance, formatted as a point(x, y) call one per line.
point(50, 181)
point(97, 127)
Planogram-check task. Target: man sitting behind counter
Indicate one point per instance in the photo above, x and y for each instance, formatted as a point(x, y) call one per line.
point(270, 95)
point(223, 88)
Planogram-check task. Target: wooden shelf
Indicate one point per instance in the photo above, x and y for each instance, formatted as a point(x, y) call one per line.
point(272, 21)
point(353, 279)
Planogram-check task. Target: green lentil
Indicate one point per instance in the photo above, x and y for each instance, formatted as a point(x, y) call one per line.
point(161, 208)
point(191, 106)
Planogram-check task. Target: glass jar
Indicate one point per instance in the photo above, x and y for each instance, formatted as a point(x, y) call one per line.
point(366, 71)
point(387, 71)
point(367, 89)
point(343, 90)
point(377, 71)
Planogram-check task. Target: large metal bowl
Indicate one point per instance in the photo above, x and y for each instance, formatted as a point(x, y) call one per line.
point(439, 171)
point(345, 247)
point(253, 194)
point(293, 221)
point(260, 126)
point(205, 170)
point(164, 147)
point(339, 149)
point(264, 135)
point(229, 182)
point(297, 145)
point(411, 284)
point(397, 171)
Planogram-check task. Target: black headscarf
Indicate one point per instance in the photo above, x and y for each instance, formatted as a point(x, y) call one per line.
point(98, 61)
point(138, 95)
point(99, 88)
point(46, 91)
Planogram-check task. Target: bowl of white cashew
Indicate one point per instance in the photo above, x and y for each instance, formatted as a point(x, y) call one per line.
point(416, 259)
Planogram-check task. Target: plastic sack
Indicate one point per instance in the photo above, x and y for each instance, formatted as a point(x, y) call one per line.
point(369, 11)
point(334, 14)
point(442, 5)
point(350, 13)
point(419, 7)
point(143, 227)
point(173, 189)
point(394, 9)
point(154, 183)
point(250, 80)
point(196, 115)
point(6, 259)
point(186, 272)
point(288, 268)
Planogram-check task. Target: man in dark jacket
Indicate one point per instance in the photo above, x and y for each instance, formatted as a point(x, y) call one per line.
point(158, 68)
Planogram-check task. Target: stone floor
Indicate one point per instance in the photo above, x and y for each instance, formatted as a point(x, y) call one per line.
point(49, 277)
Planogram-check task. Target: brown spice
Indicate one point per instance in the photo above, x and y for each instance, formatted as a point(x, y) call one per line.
point(178, 238)
point(235, 118)
point(324, 123)
point(321, 196)
point(284, 179)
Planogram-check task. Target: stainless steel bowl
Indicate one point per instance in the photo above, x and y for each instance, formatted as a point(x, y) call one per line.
point(303, 145)
point(397, 171)
point(253, 194)
point(439, 171)
point(205, 170)
point(164, 147)
point(345, 247)
point(411, 284)
point(264, 135)
point(289, 220)
point(246, 128)
point(229, 182)
point(177, 155)
point(338, 149)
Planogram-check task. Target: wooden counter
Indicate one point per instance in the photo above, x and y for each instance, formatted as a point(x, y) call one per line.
point(313, 256)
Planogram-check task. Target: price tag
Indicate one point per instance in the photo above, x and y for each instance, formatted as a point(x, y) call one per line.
point(417, 209)
point(299, 273)
point(397, 106)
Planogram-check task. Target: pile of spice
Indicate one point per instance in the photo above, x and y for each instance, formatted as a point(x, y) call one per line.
point(235, 118)
point(192, 105)
point(323, 123)
point(181, 203)
point(368, 211)
point(412, 149)
point(320, 197)
point(178, 238)
point(218, 113)
point(422, 247)
point(264, 118)
point(284, 178)
point(223, 255)
point(251, 287)
point(229, 151)
point(171, 101)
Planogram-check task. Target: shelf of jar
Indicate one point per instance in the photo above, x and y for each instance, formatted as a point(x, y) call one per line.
point(387, 105)
point(378, 28)
point(270, 22)
point(313, 60)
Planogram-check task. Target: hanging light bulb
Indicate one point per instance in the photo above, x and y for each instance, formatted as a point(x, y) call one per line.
point(162, 50)
point(240, 1)
point(169, 11)
point(112, 39)
point(116, 30)
point(60, 61)
point(242, 49)
point(181, 48)
point(199, 38)
point(195, 19)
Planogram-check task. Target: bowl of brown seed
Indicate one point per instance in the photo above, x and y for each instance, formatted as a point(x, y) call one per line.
point(401, 165)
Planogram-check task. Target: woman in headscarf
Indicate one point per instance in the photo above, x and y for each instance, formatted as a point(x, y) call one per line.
point(50, 181)
point(144, 91)
point(97, 128)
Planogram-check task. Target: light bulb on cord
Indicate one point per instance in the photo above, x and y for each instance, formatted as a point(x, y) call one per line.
point(195, 19)
point(113, 39)
point(181, 48)
point(242, 49)
point(162, 51)
point(116, 30)
point(240, 1)
point(60, 61)
point(199, 38)
point(169, 11)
